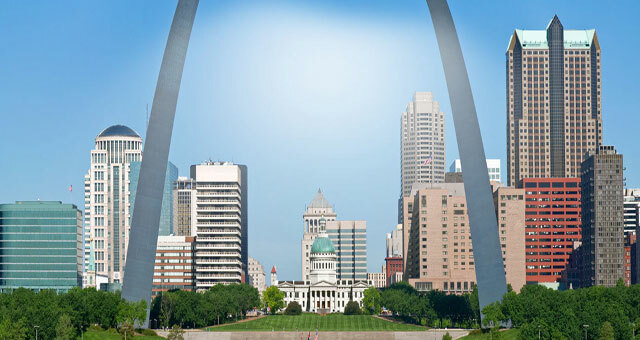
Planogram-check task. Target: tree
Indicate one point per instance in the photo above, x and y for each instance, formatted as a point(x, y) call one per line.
point(274, 298)
point(126, 330)
point(447, 336)
point(352, 308)
point(13, 330)
point(372, 300)
point(176, 333)
point(293, 308)
point(167, 304)
point(606, 331)
point(492, 317)
point(64, 329)
point(132, 312)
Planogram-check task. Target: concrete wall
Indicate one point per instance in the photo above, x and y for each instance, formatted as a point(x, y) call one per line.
point(427, 335)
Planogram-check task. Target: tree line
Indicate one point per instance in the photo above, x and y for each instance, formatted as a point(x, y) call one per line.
point(188, 309)
point(569, 314)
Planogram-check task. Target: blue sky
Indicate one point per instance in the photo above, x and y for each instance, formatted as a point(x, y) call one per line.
point(307, 94)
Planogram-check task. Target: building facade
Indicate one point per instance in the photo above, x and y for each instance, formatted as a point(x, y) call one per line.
point(174, 266)
point(257, 277)
point(631, 210)
point(350, 240)
point(378, 280)
point(393, 266)
point(324, 292)
point(553, 224)
point(221, 223)
point(440, 251)
point(184, 207)
point(41, 246)
point(394, 242)
point(553, 101)
point(493, 167)
point(165, 228)
point(107, 199)
point(422, 142)
point(602, 218)
point(319, 210)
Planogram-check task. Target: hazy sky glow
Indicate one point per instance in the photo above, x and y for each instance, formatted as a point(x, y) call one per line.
point(307, 95)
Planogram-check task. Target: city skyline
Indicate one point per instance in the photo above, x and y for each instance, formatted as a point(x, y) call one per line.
point(357, 152)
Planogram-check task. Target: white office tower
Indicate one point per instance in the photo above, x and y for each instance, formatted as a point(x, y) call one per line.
point(317, 213)
point(106, 200)
point(422, 142)
point(221, 223)
point(493, 168)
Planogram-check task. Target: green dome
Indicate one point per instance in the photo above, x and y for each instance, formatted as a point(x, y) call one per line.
point(323, 245)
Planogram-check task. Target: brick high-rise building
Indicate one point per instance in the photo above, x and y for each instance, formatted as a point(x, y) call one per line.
point(553, 101)
point(440, 252)
point(602, 218)
point(552, 218)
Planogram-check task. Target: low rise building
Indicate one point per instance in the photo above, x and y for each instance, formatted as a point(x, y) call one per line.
point(174, 266)
point(393, 265)
point(378, 280)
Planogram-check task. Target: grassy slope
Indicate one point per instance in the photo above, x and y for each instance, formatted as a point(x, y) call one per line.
point(511, 334)
point(105, 335)
point(311, 322)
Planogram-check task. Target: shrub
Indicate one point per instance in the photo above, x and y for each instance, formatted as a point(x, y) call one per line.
point(176, 333)
point(126, 331)
point(147, 332)
point(447, 336)
point(352, 308)
point(293, 308)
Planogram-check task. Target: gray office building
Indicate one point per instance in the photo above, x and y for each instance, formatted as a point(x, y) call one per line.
point(602, 218)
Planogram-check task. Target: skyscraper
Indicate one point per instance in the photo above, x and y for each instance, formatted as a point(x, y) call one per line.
point(107, 199)
point(41, 246)
point(221, 223)
point(184, 207)
point(350, 241)
point(553, 101)
point(315, 216)
point(602, 218)
point(422, 139)
point(166, 215)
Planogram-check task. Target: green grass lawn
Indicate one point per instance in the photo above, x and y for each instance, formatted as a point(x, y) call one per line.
point(510, 334)
point(311, 322)
point(107, 335)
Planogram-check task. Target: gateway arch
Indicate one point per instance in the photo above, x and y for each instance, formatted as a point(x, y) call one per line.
point(138, 273)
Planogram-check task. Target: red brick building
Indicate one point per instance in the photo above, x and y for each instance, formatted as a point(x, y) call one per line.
point(174, 267)
point(394, 265)
point(552, 219)
point(629, 244)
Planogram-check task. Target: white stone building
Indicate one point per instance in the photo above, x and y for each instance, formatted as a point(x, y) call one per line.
point(323, 292)
point(318, 209)
point(378, 280)
point(257, 277)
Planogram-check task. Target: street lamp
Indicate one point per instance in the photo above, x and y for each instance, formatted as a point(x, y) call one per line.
point(538, 332)
point(36, 327)
point(585, 331)
point(633, 330)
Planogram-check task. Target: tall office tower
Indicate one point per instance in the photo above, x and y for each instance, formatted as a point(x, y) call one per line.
point(553, 101)
point(107, 199)
point(631, 210)
point(165, 227)
point(257, 277)
point(174, 264)
point(350, 241)
point(552, 226)
point(184, 207)
point(221, 223)
point(41, 246)
point(493, 167)
point(316, 214)
point(440, 251)
point(602, 218)
point(394, 242)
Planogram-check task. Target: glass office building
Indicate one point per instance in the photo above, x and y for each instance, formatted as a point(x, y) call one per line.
point(166, 215)
point(40, 245)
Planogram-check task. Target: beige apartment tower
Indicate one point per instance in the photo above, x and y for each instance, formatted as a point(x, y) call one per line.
point(440, 251)
point(553, 101)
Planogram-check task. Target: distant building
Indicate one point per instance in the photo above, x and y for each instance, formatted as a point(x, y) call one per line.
point(318, 211)
point(378, 280)
point(629, 258)
point(274, 276)
point(393, 265)
point(350, 240)
point(395, 278)
point(184, 207)
point(165, 227)
point(493, 167)
point(221, 223)
point(552, 226)
point(174, 266)
point(602, 218)
point(394, 242)
point(41, 246)
point(324, 292)
point(440, 251)
point(631, 210)
point(107, 197)
point(257, 278)
point(543, 70)
point(453, 177)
